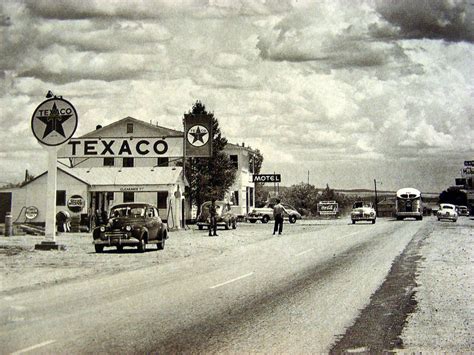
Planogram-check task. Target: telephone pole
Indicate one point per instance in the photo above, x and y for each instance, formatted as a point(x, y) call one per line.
point(376, 199)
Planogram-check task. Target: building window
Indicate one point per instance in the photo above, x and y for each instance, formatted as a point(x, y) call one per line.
point(162, 199)
point(234, 159)
point(128, 196)
point(163, 161)
point(110, 196)
point(129, 127)
point(128, 162)
point(250, 189)
point(235, 198)
point(109, 161)
point(61, 198)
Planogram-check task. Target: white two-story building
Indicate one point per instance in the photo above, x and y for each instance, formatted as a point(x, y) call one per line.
point(126, 161)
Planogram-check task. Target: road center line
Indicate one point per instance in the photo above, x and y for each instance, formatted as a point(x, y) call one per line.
point(304, 252)
point(34, 347)
point(233, 280)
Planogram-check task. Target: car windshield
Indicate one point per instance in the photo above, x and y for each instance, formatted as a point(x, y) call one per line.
point(447, 207)
point(124, 211)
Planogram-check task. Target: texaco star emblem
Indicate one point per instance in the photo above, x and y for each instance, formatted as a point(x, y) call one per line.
point(54, 122)
point(198, 135)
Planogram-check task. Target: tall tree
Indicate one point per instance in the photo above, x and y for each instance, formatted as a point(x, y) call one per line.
point(210, 177)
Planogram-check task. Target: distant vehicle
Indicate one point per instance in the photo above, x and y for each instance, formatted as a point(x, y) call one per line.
point(363, 211)
point(225, 217)
point(462, 211)
point(131, 224)
point(328, 209)
point(265, 214)
point(408, 204)
point(447, 211)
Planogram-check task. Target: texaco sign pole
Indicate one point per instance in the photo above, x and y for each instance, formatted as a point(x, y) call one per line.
point(53, 123)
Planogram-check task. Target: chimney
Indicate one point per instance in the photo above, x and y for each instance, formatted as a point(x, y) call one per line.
point(243, 144)
point(98, 127)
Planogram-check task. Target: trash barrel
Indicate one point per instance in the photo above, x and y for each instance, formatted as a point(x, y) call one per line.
point(8, 224)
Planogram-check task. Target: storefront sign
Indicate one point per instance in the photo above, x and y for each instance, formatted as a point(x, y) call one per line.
point(468, 162)
point(76, 203)
point(137, 147)
point(31, 212)
point(132, 188)
point(266, 178)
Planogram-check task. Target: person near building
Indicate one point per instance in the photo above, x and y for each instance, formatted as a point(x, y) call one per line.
point(213, 218)
point(278, 211)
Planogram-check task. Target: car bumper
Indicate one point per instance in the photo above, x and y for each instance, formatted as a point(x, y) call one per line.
point(362, 218)
point(451, 218)
point(116, 239)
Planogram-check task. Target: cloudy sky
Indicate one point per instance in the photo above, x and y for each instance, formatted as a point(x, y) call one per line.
point(348, 90)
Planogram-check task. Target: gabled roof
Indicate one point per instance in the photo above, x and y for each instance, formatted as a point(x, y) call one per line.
point(66, 171)
point(160, 131)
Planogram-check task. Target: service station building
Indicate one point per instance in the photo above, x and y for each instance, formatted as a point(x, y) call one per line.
point(126, 161)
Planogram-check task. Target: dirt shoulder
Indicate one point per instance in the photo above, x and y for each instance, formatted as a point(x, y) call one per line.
point(24, 268)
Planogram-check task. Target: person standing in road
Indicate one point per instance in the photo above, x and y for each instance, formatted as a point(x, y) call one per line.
point(278, 211)
point(212, 218)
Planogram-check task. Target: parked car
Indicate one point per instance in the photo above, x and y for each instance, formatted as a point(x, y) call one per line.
point(447, 211)
point(363, 211)
point(462, 211)
point(224, 217)
point(131, 224)
point(265, 214)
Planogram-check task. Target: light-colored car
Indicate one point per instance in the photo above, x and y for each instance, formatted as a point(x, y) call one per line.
point(447, 211)
point(363, 211)
point(265, 214)
point(224, 216)
point(462, 211)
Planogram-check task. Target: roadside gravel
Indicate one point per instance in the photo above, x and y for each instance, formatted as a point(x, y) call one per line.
point(443, 320)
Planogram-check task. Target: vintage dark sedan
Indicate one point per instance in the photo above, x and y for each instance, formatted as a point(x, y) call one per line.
point(224, 215)
point(131, 224)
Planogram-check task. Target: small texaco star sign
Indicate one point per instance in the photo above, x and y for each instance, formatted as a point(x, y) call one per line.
point(198, 135)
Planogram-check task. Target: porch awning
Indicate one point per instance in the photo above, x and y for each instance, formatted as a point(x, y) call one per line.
point(127, 179)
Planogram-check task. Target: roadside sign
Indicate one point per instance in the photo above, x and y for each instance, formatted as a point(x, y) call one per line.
point(31, 212)
point(54, 122)
point(76, 203)
point(266, 178)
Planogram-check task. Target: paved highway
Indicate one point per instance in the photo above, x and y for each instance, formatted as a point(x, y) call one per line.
point(294, 293)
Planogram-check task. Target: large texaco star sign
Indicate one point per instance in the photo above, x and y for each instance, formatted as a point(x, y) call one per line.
point(54, 121)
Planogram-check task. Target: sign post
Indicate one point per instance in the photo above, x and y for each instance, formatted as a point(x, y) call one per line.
point(53, 123)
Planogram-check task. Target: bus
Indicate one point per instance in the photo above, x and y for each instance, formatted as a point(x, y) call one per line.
point(408, 204)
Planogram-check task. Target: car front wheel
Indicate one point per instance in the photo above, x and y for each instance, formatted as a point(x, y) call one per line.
point(160, 245)
point(99, 248)
point(292, 219)
point(142, 246)
point(265, 219)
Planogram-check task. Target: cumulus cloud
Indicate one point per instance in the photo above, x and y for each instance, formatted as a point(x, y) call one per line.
point(447, 19)
point(335, 86)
